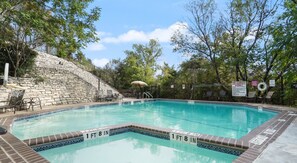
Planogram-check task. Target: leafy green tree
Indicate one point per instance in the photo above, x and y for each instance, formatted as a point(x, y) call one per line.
point(246, 27)
point(195, 73)
point(110, 73)
point(166, 79)
point(141, 62)
point(20, 29)
point(232, 43)
point(204, 34)
point(281, 62)
point(62, 24)
point(73, 25)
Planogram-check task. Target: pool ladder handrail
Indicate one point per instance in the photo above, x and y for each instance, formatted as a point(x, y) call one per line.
point(147, 95)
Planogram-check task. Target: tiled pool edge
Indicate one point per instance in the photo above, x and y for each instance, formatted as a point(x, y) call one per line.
point(248, 156)
point(255, 150)
point(220, 144)
point(14, 150)
point(46, 112)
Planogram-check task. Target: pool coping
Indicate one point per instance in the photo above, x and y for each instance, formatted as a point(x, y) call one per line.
point(251, 151)
point(221, 144)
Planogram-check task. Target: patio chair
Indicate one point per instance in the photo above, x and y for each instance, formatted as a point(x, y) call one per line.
point(117, 96)
point(209, 95)
point(222, 95)
point(31, 102)
point(15, 100)
point(109, 96)
point(268, 96)
point(100, 96)
point(251, 97)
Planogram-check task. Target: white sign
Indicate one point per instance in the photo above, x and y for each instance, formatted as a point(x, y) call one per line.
point(272, 83)
point(184, 137)
point(96, 133)
point(239, 88)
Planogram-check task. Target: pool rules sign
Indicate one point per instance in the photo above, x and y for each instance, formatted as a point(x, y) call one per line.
point(239, 88)
point(95, 133)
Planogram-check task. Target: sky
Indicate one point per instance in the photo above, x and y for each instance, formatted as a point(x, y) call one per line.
point(126, 22)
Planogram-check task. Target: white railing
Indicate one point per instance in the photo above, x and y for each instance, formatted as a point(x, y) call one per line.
point(147, 95)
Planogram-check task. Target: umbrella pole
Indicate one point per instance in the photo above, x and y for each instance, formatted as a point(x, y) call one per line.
point(140, 92)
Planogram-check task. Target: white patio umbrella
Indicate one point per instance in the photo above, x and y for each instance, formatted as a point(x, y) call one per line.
point(139, 83)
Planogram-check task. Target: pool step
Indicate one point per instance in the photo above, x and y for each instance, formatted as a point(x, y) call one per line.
point(226, 145)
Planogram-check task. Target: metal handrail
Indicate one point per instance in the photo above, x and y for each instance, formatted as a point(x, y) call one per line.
point(148, 95)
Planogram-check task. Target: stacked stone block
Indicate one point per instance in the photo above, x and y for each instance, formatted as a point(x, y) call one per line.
point(57, 81)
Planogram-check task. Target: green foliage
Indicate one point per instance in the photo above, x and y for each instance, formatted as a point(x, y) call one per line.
point(166, 79)
point(64, 25)
point(83, 62)
point(246, 44)
point(140, 63)
point(284, 50)
point(26, 63)
point(38, 79)
point(111, 73)
point(72, 25)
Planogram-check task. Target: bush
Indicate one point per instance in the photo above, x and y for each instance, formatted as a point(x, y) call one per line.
point(26, 60)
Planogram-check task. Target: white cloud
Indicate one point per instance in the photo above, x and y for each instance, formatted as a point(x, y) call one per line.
point(161, 34)
point(130, 36)
point(249, 38)
point(96, 47)
point(100, 62)
point(103, 34)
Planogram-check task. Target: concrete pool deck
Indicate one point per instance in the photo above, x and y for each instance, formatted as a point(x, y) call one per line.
point(15, 150)
point(283, 149)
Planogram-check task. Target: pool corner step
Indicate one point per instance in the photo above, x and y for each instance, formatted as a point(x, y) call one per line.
point(221, 144)
point(53, 141)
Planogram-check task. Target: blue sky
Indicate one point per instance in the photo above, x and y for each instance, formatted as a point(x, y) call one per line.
point(126, 22)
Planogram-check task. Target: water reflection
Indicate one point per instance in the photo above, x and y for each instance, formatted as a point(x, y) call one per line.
point(220, 120)
point(132, 147)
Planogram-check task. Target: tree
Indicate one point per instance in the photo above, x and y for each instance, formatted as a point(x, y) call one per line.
point(235, 38)
point(73, 25)
point(246, 29)
point(282, 59)
point(141, 62)
point(20, 24)
point(247, 43)
point(110, 73)
point(166, 79)
point(62, 24)
point(204, 34)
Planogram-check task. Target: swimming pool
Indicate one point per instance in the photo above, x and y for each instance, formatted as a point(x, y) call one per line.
point(134, 148)
point(231, 121)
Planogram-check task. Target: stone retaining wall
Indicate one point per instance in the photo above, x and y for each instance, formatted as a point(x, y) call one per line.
point(44, 60)
point(57, 87)
point(58, 81)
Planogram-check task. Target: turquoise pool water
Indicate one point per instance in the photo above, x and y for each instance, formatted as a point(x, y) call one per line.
point(215, 119)
point(133, 148)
